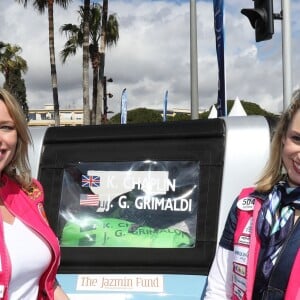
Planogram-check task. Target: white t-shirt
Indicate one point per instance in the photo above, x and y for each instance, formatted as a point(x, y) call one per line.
point(219, 282)
point(30, 256)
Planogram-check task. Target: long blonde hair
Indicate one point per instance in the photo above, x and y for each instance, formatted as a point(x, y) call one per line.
point(274, 167)
point(18, 168)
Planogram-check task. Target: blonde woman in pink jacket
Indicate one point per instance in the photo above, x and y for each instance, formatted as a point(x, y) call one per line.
point(258, 257)
point(29, 250)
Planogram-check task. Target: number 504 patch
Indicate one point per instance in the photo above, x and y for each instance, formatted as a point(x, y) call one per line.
point(246, 203)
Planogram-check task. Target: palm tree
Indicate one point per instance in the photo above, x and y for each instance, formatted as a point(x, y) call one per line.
point(41, 5)
point(75, 36)
point(10, 60)
point(109, 37)
point(85, 63)
point(12, 65)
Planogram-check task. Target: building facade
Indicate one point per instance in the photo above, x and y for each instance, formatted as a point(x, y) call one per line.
point(45, 117)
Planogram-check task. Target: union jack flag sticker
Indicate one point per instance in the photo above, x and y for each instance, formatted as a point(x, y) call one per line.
point(90, 181)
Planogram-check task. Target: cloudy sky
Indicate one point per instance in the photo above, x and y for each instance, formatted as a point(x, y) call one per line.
point(153, 54)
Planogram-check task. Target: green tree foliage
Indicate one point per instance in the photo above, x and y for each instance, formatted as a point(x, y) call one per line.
point(205, 114)
point(10, 59)
point(16, 86)
point(139, 115)
point(179, 117)
point(12, 66)
point(144, 115)
point(250, 108)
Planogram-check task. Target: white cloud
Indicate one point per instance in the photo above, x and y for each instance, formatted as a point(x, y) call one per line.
point(152, 55)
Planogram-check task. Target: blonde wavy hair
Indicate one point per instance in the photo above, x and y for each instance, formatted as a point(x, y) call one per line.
point(273, 171)
point(19, 168)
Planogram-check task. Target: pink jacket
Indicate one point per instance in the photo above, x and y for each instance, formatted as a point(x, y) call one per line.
point(28, 207)
point(246, 251)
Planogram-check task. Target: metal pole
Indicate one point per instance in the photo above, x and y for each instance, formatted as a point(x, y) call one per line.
point(194, 61)
point(286, 53)
point(104, 100)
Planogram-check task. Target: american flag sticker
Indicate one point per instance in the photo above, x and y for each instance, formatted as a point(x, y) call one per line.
point(89, 200)
point(90, 181)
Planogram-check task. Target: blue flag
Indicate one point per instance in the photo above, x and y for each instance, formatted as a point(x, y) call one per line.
point(219, 32)
point(165, 107)
point(124, 107)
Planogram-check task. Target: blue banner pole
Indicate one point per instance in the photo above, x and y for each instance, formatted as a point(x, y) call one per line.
point(219, 33)
point(165, 107)
point(124, 107)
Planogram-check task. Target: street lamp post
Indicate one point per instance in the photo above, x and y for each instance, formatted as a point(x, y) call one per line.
point(194, 60)
point(105, 95)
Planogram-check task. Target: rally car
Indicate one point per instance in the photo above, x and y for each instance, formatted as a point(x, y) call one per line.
point(139, 208)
